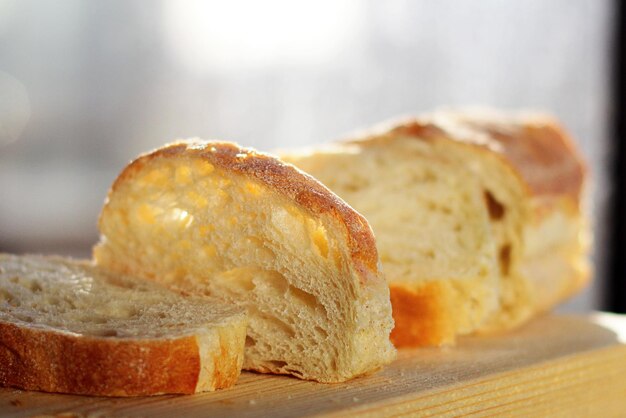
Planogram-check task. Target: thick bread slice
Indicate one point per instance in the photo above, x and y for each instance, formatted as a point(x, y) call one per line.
point(67, 326)
point(531, 179)
point(432, 230)
point(213, 218)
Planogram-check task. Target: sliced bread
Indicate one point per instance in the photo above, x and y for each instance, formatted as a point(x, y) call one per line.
point(67, 326)
point(530, 179)
point(212, 218)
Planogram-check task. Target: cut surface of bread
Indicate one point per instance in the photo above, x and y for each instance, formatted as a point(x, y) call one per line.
point(68, 326)
point(216, 219)
point(531, 179)
point(432, 230)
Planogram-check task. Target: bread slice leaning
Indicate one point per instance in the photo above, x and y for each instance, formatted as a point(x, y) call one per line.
point(432, 230)
point(67, 326)
point(530, 179)
point(212, 218)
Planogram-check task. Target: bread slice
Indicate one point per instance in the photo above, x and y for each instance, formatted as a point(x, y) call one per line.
point(67, 326)
point(530, 177)
point(212, 218)
point(432, 230)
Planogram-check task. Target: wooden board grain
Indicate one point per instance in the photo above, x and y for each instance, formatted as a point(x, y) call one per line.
point(555, 366)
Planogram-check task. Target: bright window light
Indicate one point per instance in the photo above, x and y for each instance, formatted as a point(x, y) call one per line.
point(239, 34)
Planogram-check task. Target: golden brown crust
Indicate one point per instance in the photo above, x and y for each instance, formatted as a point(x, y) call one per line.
point(50, 361)
point(226, 366)
point(282, 177)
point(423, 315)
point(537, 148)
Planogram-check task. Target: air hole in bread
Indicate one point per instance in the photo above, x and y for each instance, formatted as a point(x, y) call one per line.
point(125, 284)
point(68, 301)
point(106, 333)
point(278, 285)
point(321, 241)
point(306, 299)
point(239, 279)
point(276, 324)
point(321, 331)
point(495, 208)
point(505, 259)
point(96, 319)
point(6, 296)
point(24, 318)
point(294, 372)
point(35, 286)
point(53, 300)
point(250, 341)
point(278, 363)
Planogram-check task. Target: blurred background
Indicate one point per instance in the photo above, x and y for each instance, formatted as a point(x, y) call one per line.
point(85, 86)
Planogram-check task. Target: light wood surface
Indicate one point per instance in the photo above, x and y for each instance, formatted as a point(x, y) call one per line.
point(555, 366)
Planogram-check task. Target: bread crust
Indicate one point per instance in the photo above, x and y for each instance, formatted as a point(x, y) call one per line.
point(534, 146)
point(423, 315)
point(52, 361)
point(283, 178)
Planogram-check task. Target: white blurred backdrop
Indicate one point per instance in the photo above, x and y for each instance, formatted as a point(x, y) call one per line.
point(85, 86)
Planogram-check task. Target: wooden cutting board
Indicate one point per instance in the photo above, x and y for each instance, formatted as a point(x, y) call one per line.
point(555, 366)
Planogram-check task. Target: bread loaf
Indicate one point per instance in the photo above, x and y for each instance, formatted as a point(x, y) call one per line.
point(67, 326)
point(212, 218)
point(530, 179)
point(550, 261)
